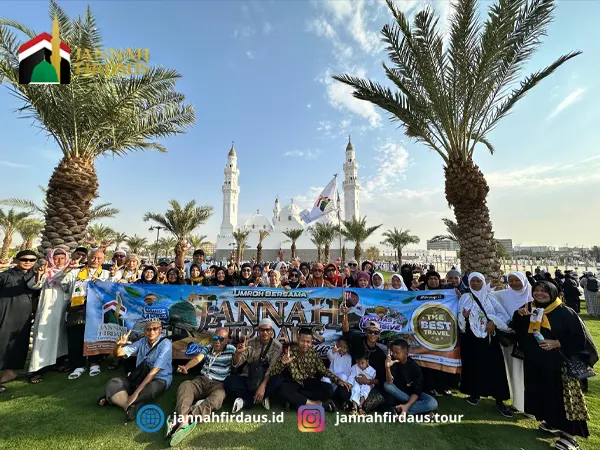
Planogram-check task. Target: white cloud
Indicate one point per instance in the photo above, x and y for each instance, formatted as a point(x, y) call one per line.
point(13, 165)
point(250, 54)
point(308, 106)
point(304, 154)
point(267, 28)
point(306, 199)
point(392, 161)
point(573, 97)
point(325, 125)
point(244, 32)
point(321, 27)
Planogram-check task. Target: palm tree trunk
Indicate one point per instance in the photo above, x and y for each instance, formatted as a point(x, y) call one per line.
point(259, 254)
point(357, 252)
point(327, 252)
point(399, 255)
point(29, 244)
point(22, 246)
point(293, 250)
point(319, 254)
point(6, 243)
point(72, 188)
point(343, 253)
point(180, 254)
point(466, 191)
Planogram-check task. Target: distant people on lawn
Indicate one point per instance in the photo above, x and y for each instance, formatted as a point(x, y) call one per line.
point(205, 393)
point(152, 374)
point(16, 306)
point(253, 384)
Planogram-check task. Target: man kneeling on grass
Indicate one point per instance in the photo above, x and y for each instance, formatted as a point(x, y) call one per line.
point(204, 394)
point(151, 376)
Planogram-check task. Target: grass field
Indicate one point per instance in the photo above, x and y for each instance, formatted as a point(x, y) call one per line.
point(62, 414)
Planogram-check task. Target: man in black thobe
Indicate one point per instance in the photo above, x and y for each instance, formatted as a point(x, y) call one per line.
point(16, 306)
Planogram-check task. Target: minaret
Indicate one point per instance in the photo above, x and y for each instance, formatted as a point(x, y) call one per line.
point(276, 211)
point(351, 184)
point(231, 192)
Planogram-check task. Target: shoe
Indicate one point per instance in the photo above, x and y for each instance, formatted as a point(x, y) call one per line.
point(266, 403)
point(181, 434)
point(132, 411)
point(505, 411)
point(94, 370)
point(447, 392)
point(238, 404)
point(529, 416)
point(329, 406)
point(547, 428)
point(566, 443)
point(473, 401)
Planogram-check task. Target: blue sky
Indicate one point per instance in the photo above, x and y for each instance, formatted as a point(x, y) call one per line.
point(259, 73)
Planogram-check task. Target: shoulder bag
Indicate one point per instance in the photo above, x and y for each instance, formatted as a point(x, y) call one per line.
point(505, 339)
point(142, 370)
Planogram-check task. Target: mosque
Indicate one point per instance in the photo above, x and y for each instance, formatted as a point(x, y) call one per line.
point(283, 219)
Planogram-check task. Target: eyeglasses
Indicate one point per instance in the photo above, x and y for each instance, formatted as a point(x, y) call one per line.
point(373, 332)
point(265, 330)
point(331, 270)
point(352, 265)
point(154, 329)
point(28, 260)
point(218, 338)
point(247, 270)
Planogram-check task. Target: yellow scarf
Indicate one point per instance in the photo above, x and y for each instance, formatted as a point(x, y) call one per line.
point(78, 297)
point(196, 281)
point(545, 323)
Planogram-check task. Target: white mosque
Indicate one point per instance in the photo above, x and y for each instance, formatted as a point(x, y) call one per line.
point(283, 219)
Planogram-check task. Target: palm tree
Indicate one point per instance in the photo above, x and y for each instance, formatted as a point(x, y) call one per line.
point(119, 238)
point(315, 240)
point(450, 97)
point(10, 223)
point(29, 229)
point(136, 243)
point(241, 241)
point(97, 234)
point(262, 234)
point(398, 239)
point(356, 230)
point(452, 230)
point(167, 244)
point(294, 235)
point(181, 223)
point(328, 232)
point(154, 248)
point(372, 253)
point(100, 113)
point(197, 240)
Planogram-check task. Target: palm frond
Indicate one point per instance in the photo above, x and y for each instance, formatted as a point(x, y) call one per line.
point(31, 206)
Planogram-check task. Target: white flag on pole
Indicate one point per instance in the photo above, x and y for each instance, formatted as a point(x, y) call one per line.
point(325, 203)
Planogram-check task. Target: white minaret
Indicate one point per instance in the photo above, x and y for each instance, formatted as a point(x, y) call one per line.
point(276, 211)
point(351, 184)
point(231, 193)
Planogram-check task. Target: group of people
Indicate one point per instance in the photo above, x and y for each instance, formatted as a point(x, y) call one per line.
point(518, 340)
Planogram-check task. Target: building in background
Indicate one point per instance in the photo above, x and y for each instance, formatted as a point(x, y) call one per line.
point(446, 244)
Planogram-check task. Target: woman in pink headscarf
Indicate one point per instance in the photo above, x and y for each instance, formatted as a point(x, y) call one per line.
point(49, 333)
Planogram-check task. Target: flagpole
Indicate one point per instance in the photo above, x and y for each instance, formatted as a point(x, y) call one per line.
point(339, 216)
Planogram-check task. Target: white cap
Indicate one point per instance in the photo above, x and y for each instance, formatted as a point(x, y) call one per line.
point(265, 323)
point(120, 250)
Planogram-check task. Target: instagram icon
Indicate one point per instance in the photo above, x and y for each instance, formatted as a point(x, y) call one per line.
point(311, 419)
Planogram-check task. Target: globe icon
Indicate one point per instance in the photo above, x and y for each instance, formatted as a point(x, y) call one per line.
point(150, 418)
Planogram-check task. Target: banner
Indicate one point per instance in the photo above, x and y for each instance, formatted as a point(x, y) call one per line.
point(191, 314)
point(324, 203)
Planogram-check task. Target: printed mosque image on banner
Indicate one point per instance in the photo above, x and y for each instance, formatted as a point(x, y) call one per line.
point(283, 218)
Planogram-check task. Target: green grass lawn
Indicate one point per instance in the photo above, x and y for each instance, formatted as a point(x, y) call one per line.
point(62, 414)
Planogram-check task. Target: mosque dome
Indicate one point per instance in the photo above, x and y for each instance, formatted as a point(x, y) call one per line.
point(290, 212)
point(258, 222)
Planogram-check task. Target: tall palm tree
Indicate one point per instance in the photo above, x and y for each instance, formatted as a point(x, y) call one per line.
point(10, 223)
point(294, 235)
point(398, 239)
point(168, 245)
point(452, 231)
point(450, 97)
point(97, 234)
point(181, 223)
point(29, 229)
point(241, 242)
point(100, 113)
point(197, 240)
point(136, 243)
point(319, 244)
point(262, 234)
point(356, 230)
point(118, 239)
point(328, 232)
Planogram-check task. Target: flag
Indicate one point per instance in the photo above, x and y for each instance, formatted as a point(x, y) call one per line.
point(323, 204)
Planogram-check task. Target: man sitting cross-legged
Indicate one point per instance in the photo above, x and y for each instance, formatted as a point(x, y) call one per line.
point(404, 381)
point(302, 369)
point(205, 393)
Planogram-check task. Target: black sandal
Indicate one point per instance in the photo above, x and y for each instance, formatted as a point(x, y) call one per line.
point(35, 378)
point(329, 406)
point(132, 411)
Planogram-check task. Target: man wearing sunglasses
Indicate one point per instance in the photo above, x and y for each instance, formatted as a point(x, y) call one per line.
point(350, 278)
point(16, 306)
point(254, 383)
point(361, 344)
point(205, 393)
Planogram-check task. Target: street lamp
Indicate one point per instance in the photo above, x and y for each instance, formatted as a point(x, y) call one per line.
point(157, 228)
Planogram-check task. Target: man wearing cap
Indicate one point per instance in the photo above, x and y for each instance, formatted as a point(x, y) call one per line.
point(118, 261)
point(254, 383)
point(198, 259)
point(350, 281)
point(205, 393)
point(16, 306)
point(361, 344)
point(157, 353)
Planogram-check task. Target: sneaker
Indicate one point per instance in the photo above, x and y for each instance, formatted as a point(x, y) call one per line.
point(505, 411)
point(181, 434)
point(266, 403)
point(238, 404)
point(473, 401)
point(447, 392)
point(547, 428)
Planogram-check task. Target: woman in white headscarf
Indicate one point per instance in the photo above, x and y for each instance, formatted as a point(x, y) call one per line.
point(483, 371)
point(377, 283)
point(397, 283)
point(511, 299)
